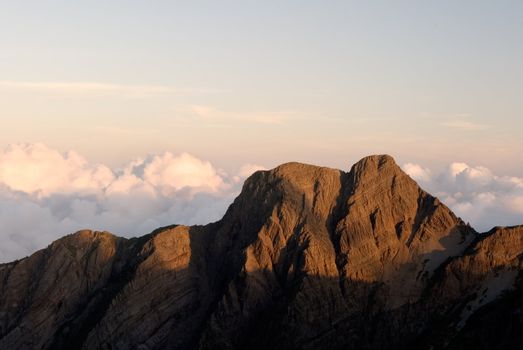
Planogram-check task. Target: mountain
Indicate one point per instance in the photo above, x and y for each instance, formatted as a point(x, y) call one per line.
point(306, 257)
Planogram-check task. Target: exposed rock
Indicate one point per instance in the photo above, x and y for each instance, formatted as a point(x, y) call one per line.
point(305, 257)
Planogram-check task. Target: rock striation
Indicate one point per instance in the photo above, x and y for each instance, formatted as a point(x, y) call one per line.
point(306, 257)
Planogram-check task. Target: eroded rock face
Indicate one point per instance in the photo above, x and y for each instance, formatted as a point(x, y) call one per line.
point(305, 257)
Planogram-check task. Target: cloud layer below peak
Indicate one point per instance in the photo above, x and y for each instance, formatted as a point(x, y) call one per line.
point(474, 193)
point(45, 194)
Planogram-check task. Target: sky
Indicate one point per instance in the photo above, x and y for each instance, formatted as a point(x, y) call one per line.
point(213, 90)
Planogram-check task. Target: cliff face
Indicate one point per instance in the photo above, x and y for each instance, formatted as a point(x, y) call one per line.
point(305, 257)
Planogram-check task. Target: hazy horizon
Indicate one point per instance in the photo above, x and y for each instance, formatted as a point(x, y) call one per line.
point(266, 82)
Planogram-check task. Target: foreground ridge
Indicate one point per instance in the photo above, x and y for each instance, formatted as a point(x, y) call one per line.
point(306, 257)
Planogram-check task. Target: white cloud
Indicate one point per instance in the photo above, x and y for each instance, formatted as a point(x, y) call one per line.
point(98, 89)
point(417, 172)
point(465, 125)
point(37, 169)
point(213, 115)
point(45, 194)
point(172, 173)
point(474, 193)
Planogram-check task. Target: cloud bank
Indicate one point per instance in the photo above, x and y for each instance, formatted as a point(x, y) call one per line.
point(474, 193)
point(45, 194)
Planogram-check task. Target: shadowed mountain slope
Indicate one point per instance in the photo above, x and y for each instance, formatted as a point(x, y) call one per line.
point(305, 258)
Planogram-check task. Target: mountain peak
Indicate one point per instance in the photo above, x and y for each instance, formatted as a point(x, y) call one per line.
point(372, 166)
point(295, 170)
point(379, 160)
point(305, 257)
point(299, 173)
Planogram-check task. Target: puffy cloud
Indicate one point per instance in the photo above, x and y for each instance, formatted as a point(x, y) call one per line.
point(45, 194)
point(417, 172)
point(37, 169)
point(172, 173)
point(474, 193)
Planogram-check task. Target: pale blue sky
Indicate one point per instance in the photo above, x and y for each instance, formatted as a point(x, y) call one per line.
point(265, 82)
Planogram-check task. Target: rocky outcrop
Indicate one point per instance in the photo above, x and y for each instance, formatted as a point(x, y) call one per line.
point(306, 257)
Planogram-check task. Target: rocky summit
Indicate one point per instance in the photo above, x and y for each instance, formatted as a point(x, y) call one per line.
point(306, 257)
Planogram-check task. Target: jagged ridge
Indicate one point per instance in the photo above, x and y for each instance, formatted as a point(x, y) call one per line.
point(305, 257)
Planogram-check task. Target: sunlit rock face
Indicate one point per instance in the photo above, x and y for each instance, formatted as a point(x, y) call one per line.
point(305, 258)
